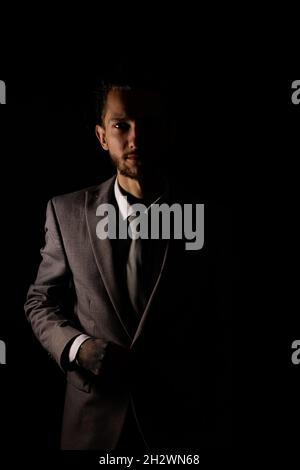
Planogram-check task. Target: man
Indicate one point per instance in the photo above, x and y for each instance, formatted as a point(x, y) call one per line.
point(133, 323)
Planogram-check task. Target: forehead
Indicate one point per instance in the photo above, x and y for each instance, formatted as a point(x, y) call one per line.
point(133, 104)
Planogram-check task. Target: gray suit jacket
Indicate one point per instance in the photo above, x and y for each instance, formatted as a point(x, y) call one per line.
point(79, 289)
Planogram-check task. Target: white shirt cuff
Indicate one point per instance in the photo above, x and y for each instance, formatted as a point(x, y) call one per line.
point(76, 345)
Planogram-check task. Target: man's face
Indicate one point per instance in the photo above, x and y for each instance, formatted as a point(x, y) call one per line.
point(133, 131)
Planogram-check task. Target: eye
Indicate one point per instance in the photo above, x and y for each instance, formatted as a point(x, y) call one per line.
point(123, 126)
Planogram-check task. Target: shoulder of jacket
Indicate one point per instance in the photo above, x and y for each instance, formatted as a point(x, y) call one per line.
point(77, 198)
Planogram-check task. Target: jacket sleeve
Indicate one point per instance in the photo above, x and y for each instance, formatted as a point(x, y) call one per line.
point(44, 306)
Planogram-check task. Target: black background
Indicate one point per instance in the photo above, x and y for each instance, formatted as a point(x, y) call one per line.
point(50, 148)
point(236, 142)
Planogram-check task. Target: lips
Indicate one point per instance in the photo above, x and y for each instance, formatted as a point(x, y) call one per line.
point(132, 156)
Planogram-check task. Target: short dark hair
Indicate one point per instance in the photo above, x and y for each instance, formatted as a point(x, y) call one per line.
point(127, 79)
point(101, 96)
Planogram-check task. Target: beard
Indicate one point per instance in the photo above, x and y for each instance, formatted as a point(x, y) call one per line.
point(131, 171)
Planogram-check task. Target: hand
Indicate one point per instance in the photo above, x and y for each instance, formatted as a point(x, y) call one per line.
point(91, 354)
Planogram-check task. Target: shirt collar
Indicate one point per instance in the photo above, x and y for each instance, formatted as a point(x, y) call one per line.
point(125, 207)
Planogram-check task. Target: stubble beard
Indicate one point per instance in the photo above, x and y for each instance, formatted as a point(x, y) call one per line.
point(135, 172)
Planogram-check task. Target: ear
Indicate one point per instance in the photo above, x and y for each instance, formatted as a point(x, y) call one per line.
point(100, 134)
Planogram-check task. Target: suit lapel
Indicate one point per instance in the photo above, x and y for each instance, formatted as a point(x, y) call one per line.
point(104, 256)
point(159, 267)
point(103, 251)
point(159, 264)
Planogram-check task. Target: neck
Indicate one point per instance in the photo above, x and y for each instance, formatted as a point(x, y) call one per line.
point(142, 188)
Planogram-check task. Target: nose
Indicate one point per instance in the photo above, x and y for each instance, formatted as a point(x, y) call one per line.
point(138, 134)
point(132, 137)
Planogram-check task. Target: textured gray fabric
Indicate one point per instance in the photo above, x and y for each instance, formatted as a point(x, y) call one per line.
point(135, 273)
